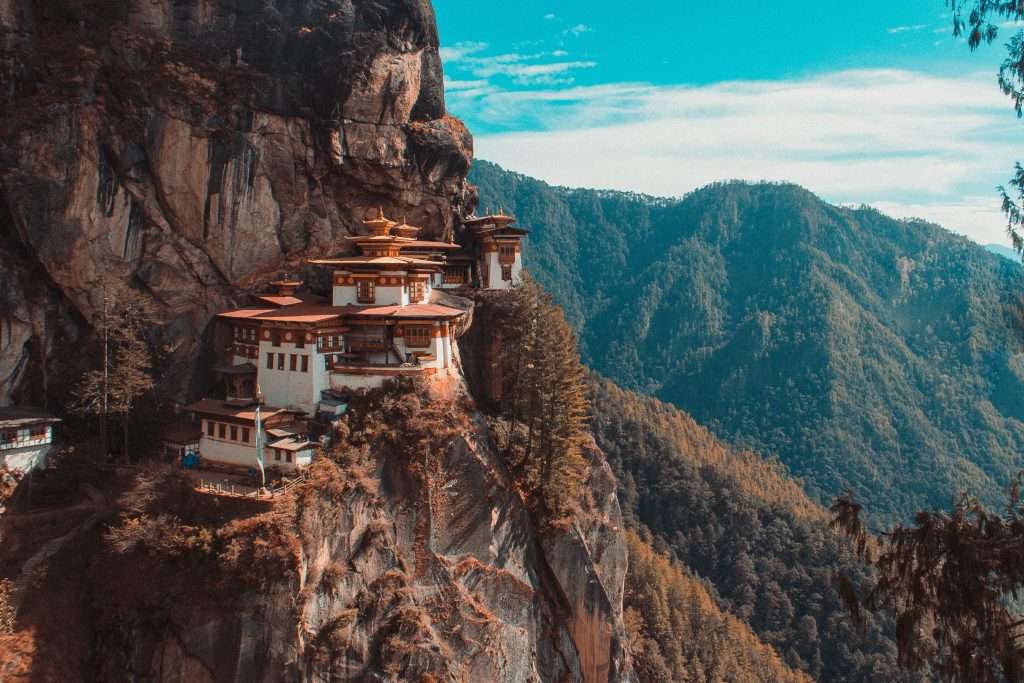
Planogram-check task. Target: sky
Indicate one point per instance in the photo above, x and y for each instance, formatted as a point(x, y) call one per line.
point(862, 103)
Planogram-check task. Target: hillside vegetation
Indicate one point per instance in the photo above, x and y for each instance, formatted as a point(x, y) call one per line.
point(866, 353)
point(737, 522)
point(678, 633)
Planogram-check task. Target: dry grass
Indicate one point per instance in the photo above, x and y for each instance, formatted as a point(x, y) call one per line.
point(7, 615)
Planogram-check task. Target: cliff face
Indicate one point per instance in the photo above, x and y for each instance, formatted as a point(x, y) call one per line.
point(407, 556)
point(193, 147)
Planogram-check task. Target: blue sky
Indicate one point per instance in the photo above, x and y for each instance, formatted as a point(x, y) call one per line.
point(871, 102)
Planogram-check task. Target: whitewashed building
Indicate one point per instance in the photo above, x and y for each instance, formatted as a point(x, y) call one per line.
point(498, 246)
point(384, 320)
point(228, 436)
point(26, 438)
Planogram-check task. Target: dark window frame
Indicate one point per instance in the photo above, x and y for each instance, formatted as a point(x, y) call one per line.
point(366, 291)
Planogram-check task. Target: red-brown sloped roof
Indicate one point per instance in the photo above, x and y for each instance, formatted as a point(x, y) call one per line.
point(289, 300)
point(412, 311)
point(376, 261)
point(217, 407)
point(429, 244)
point(182, 433)
point(299, 313)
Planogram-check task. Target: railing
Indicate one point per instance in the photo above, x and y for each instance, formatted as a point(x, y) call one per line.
point(230, 489)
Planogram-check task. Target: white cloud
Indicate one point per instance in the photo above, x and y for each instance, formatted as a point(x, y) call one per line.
point(460, 51)
point(549, 16)
point(577, 30)
point(453, 84)
point(907, 29)
point(529, 73)
point(980, 218)
point(909, 143)
point(522, 69)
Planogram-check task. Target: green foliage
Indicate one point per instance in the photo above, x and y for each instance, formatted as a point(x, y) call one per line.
point(739, 523)
point(868, 354)
point(949, 579)
point(546, 408)
point(678, 633)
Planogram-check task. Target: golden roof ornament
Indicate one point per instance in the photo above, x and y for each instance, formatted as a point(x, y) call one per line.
point(379, 225)
point(406, 230)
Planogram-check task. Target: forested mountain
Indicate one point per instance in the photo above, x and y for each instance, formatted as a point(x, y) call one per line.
point(739, 523)
point(678, 632)
point(866, 353)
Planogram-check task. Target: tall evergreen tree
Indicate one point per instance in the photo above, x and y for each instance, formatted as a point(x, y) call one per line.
point(547, 406)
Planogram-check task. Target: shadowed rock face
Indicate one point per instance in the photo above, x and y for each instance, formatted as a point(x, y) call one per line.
point(445, 579)
point(195, 147)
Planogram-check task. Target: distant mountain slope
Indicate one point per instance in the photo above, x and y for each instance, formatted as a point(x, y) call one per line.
point(1005, 252)
point(678, 633)
point(867, 353)
point(742, 525)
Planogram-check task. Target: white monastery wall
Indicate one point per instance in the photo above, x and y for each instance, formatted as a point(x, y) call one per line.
point(289, 388)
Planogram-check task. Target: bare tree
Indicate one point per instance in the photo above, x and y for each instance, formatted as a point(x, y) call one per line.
point(126, 371)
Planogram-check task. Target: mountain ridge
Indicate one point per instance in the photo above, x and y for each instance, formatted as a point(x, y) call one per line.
point(866, 353)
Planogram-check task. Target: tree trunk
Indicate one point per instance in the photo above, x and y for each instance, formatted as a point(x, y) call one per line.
point(124, 425)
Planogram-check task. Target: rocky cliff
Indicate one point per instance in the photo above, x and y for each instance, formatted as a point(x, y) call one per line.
point(406, 556)
point(193, 147)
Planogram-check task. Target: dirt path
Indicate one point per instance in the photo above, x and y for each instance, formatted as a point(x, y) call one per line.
point(98, 502)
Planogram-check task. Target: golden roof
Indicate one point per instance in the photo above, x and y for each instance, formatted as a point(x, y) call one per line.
point(379, 225)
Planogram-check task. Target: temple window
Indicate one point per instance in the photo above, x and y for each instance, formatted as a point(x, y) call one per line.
point(209, 428)
point(416, 291)
point(365, 292)
point(222, 430)
point(417, 337)
point(234, 433)
point(245, 434)
point(270, 361)
point(507, 253)
point(293, 363)
point(280, 361)
point(305, 363)
point(506, 272)
point(454, 275)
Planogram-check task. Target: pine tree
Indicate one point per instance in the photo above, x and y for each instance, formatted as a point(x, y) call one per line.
point(547, 405)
